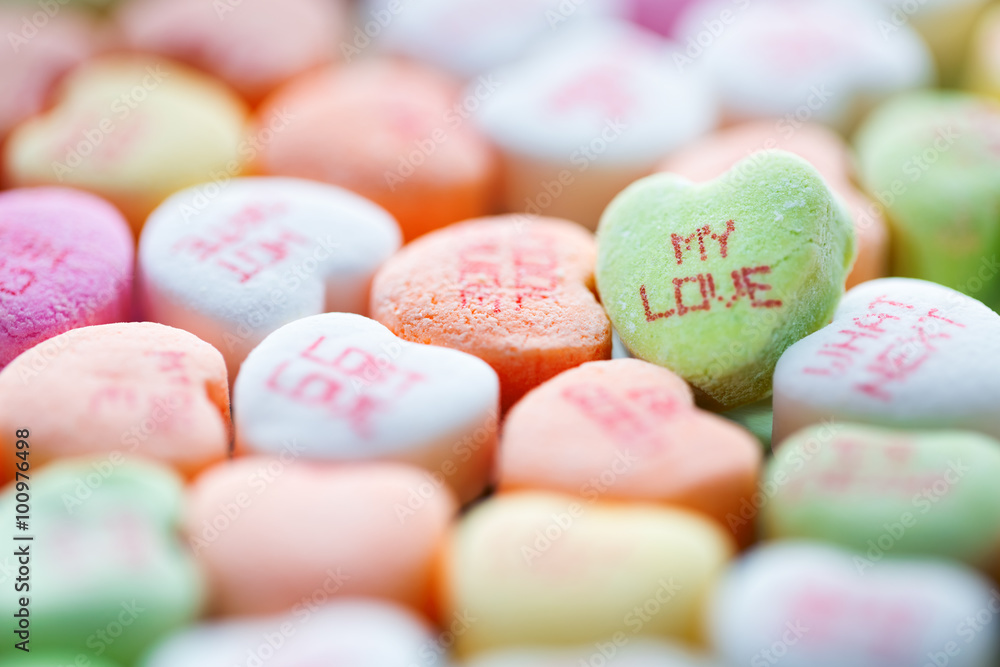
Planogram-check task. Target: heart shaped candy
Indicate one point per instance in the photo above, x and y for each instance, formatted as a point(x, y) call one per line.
point(233, 265)
point(618, 651)
point(900, 352)
point(135, 388)
point(514, 290)
point(715, 280)
point(543, 569)
point(275, 534)
point(106, 575)
point(883, 492)
point(933, 160)
point(808, 605)
point(133, 130)
point(344, 388)
point(627, 430)
point(358, 633)
point(66, 261)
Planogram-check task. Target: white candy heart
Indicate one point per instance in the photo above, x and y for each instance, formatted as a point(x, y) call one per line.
point(470, 36)
point(825, 60)
point(350, 632)
point(900, 352)
point(809, 605)
point(588, 113)
point(233, 263)
point(342, 387)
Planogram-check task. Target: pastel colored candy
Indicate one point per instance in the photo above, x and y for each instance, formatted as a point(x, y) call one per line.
point(885, 492)
point(466, 37)
point(362, 633)
point(121, 390)
point(758, 418)
point(901, 353)
point(254, 45)
point(713, 155)
point(107, 576)
point(659, 15)
point(946, 26)
point(591, 111)
point(391, 131)
point(53, 660)
point(344, 388)
point(511, 290)
point(716, 280)
point(38, 57)
point(66, 260)
point(132, 129)
point(542, 569)
point(983, 70)
point(260, 253)
point(806, 604)
point(823, 60)
point(619, 651)
point(933, 160)
point(627, 430)
point(271, 533)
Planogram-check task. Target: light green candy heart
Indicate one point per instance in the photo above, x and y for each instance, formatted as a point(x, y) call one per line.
point(888, 493)
point(789, 244)
point(108, 574)
point(933, 160)
point(55, 660)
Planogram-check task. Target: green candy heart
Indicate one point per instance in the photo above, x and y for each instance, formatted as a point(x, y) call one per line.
point(883, 492)
point(933, 160)
point(715, 280)
point(108, 574)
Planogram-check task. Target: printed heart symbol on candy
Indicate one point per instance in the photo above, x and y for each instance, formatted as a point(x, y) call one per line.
point(341, 387)
point(714, 281)
point(811, 605)
point(900, 352)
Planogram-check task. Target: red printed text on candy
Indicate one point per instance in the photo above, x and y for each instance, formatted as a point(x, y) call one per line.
point(245, 245)
point(634, 420)
point(350, 383)
point(889, 343)
point(495, 273)
point(23, 257)
point(700, 292)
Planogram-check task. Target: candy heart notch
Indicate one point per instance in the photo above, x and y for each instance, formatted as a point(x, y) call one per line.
point(134, 130)
point(628, 430)
point(810, 605)
point(344, 388)
point(107, 572)
point(359, 633)
point(881, 491)
point(233, 266)
point(900, 352)
point(122, 390)
point(543, 569)
point(715, 280)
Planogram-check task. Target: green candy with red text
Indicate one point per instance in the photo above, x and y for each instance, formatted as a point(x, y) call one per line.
point(885, 492)
point(714, 281)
